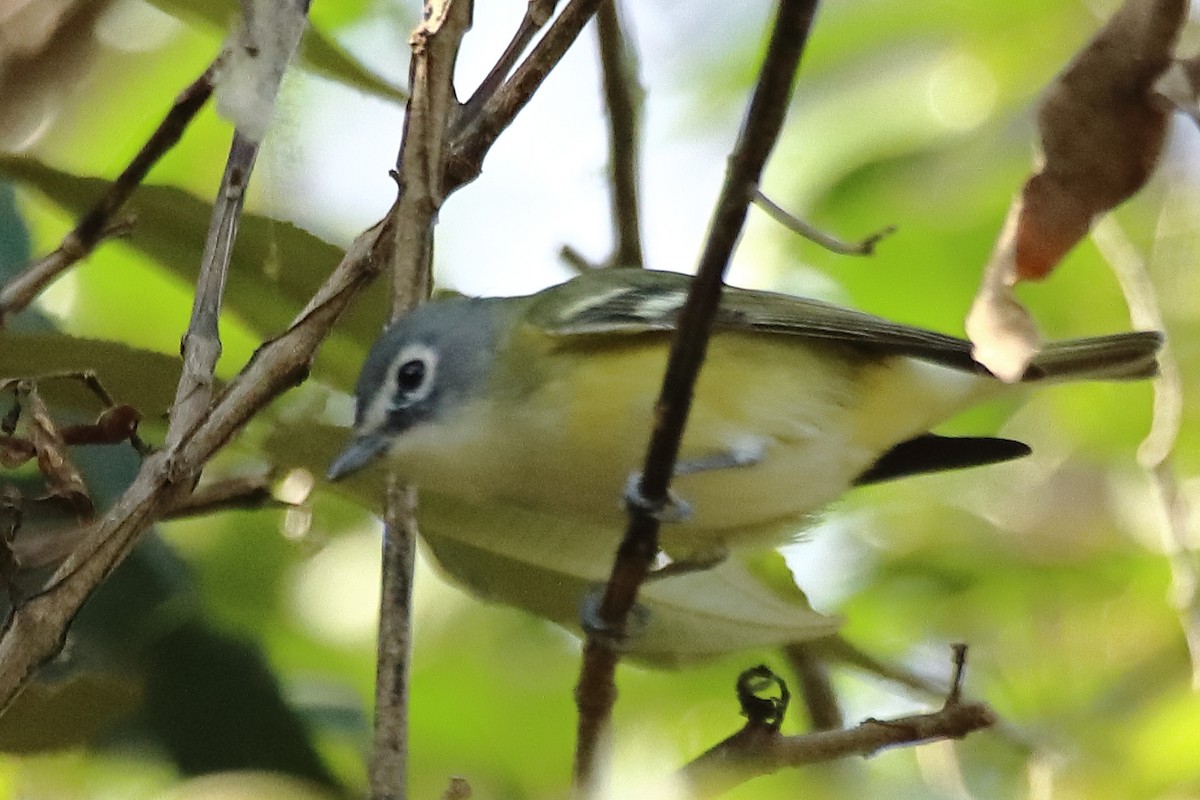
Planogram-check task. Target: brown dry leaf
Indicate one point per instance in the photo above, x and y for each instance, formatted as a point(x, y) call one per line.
point(114, 425)
point(63, 478)
point(15, 451)
point(1102, 128)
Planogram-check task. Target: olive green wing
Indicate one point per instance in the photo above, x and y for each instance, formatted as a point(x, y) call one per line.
point(631, 301)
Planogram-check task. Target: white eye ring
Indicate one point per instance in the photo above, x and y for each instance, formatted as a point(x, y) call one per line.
point(412, 374)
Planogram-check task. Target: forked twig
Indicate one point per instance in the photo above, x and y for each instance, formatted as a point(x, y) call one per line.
point(759, 749)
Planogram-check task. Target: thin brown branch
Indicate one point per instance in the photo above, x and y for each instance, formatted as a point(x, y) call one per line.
point(760, 129)
point(98, 224)
point(757, 750)
point(864, 247)
point(419, 173)
point(622, 98)
point(815, 686)
point(472, 141)
point(537, 14)
point(231, 494)
point(34, 631)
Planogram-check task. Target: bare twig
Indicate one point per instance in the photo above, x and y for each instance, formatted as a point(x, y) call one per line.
point(471, 142)
point(34, 630)
point(756, 750)
point(419, 173)
point(596, 689)
point(622, 96)
point(537, 14)
point(230, 494)
point(815, 686)
point(759, 749)
point(865, 247)
point(98, 224)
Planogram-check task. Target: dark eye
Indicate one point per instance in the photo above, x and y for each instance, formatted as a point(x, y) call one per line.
point(411, 375)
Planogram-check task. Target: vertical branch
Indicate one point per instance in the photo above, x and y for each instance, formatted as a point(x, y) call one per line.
point(201, 346)
point(815, 686)
point(596, 689)
point(252, 66)
point(1157, 451)
point(419, 172)
point(622, 96)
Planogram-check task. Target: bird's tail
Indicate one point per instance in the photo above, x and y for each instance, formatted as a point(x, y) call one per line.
point(1118, 357)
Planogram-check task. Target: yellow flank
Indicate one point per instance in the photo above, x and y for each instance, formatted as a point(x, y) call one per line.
point(569, 440)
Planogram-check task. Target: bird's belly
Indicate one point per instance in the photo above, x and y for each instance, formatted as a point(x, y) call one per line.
point(810, 421)
point(788, 410)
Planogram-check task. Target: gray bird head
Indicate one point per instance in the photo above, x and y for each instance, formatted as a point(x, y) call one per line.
point(424, 366)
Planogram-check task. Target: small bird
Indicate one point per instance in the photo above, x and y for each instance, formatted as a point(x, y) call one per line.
point(545, 402)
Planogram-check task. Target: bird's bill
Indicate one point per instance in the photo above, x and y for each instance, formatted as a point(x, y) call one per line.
point(360, 452)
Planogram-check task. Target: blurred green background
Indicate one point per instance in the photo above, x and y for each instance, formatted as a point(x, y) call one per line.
point(909, 114)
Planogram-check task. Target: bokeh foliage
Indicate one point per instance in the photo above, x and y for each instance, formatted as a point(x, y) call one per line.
point(913, 114)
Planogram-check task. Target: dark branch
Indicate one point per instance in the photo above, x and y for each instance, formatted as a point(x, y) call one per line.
point(622, 98)
point(537, 14)
point(472, 141)
point(760, 129)
point(815, 686)
point(757, 750)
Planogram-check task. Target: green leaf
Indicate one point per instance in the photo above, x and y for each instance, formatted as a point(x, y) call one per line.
point(276, 266)
point(135, 377)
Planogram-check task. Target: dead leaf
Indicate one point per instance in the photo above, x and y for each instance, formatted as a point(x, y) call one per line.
point(114, 425)
point(63, 478)
point(1102, 127)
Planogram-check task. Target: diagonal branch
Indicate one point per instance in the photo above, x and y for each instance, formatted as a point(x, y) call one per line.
point(474, 138)
point(35, 629)
point(596, 690)
point(98, 224)
point(537, 14)
point(863, 247)
point(757, 750)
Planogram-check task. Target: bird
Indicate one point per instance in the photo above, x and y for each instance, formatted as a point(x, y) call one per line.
point(545, 402)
